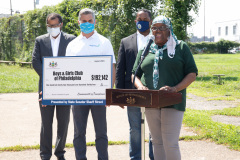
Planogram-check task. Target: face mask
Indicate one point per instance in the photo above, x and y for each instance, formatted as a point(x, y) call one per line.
point(142, 25)
point(87, 27)
point(53, 31)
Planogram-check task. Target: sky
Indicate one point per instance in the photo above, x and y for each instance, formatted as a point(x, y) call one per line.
point(215, 11)
point(24, 5)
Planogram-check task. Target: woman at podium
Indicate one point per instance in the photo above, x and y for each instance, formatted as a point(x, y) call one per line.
point(168, 65)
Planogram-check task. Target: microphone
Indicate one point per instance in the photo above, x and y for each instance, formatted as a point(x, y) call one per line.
point(146, 50)
point(144, 54)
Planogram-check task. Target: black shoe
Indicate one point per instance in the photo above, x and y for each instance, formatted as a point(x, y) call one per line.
point(61, 158)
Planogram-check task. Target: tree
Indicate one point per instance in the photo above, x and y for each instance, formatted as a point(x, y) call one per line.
point(34, 25)
point(179, 13)
point(115, 20)
point(124, 17)
point(224, 45)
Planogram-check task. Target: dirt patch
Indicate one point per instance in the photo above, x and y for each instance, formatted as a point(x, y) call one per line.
point(201, 103)
point(227, 119)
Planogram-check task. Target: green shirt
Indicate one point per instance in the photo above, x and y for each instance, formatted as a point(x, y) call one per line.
point(171, 70)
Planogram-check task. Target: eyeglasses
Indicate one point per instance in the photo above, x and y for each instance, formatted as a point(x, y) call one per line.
point(53, 26)
point(162, 28)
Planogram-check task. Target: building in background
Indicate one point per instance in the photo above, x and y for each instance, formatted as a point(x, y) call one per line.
point(196, 39)
point(4, 15)
point(227, 30)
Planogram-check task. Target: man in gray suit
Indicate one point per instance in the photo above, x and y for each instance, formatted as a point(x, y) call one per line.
point(52, 44)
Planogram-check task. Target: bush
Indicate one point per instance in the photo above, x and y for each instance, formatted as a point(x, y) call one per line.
point(203, 47)
point(221, 46)
point(224, 45)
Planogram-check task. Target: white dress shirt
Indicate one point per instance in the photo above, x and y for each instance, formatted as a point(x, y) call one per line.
point(55, 44)
point(94, 45)
point(141, 40)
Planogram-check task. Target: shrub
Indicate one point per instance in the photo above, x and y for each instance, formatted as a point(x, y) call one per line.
point(221, 46)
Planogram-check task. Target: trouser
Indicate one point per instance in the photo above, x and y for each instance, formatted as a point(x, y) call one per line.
point(134, 119)
point(165, 125)
point(63, 116)
point(80, 117)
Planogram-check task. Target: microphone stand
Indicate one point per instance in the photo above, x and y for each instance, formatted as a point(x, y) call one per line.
point(142, 117)
point(145, 52)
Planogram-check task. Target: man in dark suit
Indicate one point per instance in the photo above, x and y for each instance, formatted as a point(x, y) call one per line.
point(52, 44)
point(127, 53)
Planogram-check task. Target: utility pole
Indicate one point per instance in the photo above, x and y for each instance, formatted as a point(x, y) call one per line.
point(34, 4)
point(204, 22)
point(11, 7)
point(210, 35)
point(10, 33)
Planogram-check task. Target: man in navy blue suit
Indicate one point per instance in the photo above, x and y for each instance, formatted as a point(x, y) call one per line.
point(127, 53)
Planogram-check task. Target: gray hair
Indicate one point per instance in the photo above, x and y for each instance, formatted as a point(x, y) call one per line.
point(86, 11)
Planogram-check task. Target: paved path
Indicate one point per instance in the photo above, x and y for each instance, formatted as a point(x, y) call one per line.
point(20, 124)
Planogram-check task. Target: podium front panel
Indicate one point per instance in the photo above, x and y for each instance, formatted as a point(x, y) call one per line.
point(132, 98)
point(142, 98)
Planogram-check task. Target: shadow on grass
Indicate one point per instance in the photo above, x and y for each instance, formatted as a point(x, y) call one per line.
point(208, 78)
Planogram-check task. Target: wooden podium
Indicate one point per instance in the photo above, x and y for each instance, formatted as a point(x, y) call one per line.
point(142, 98)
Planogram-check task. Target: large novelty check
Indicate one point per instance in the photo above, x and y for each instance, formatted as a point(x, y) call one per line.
point(76, 80)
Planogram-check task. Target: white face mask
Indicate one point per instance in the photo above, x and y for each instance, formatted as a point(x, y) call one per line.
point(53, 31)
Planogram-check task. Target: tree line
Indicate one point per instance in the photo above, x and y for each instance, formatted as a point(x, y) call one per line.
point(222, 46)
point(115, 20)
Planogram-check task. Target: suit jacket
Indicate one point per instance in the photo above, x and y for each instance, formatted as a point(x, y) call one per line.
point(126, 58)
point(43, 48)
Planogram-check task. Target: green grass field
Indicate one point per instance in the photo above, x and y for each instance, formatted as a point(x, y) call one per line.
point(15, 79)
point(206, 84)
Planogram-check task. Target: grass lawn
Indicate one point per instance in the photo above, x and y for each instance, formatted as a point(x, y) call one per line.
point(16, 79)
point(206, 84)
point(19, 79)
point(207, 129)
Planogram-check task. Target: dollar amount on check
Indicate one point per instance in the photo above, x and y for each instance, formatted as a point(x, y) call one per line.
point(99, 77)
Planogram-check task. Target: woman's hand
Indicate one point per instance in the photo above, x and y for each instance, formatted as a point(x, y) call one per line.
point(187, 80)
point(142, 88)
point(138, 84)
point(169, 89)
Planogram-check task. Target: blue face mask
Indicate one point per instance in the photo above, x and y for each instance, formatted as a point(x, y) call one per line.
point(142, 25)
point(87, 27)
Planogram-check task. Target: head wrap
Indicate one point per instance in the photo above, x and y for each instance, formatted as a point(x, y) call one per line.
point(170, 45)
point(172, 40)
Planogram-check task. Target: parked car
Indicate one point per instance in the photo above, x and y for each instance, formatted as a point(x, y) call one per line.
point(234, 50)
point(237, 50)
